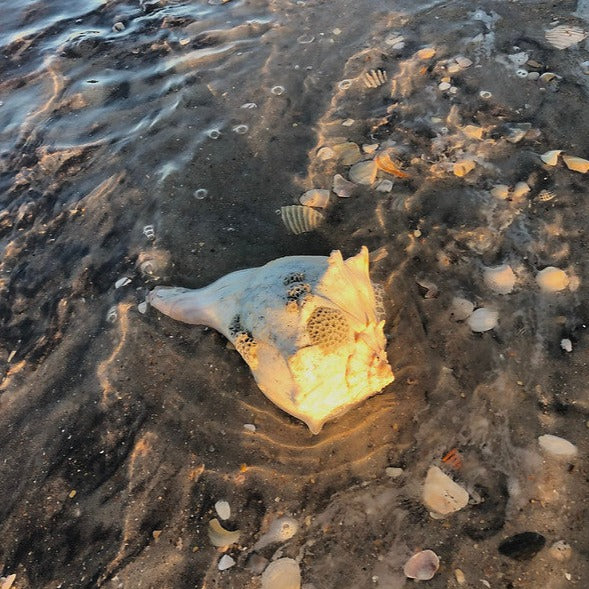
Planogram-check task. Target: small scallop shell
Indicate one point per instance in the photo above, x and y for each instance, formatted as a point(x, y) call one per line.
point(483, 320)
point(564, 36)
point(300, 219)
point(219, 536)
point(280, 530)
point(577, 164)
point(552, 279)
point(283, 573)
point(501, 279)
point(422, 566)
point(461, 309)
point(315, 197)
point(363, 173)
point(374, 78)
point(550, 158)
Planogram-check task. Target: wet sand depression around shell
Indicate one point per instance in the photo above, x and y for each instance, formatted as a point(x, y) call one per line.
point(119, 431)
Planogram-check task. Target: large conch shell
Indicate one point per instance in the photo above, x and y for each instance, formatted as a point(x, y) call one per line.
point(306, 325)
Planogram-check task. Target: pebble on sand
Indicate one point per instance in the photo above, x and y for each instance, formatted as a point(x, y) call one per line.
point(441, 494)
point(556, 446)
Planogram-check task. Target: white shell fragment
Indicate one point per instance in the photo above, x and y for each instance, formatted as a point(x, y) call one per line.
point(566, 344)
point(550, 158)
point(142, 307)
point(565, 36)
point(223, 509)
point(363, 172)
point(225, 562)
point(300, 219)
point(552, 279)
point(124, 281)
point(577, 164)
point(483, 319)
point(422, 566)
point(219, 536)
point(461, 309)
point(316, 197)
point(280, 530)
point(342, 187)
point(501, 279)
point(441, 494)
point(307, 326)
point(374, 78)
point(283, 573)
point(385, 185)
point(557, 446)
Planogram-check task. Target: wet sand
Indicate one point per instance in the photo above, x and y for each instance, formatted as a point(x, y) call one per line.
point(120, 430)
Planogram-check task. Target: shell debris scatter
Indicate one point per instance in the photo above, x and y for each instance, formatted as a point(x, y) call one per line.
point(280, 530)
point(307, 326)
point(284, 573)
point(374, 78)
point(300, 218)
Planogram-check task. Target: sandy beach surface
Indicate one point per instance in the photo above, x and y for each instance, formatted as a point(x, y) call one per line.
point(154, 142)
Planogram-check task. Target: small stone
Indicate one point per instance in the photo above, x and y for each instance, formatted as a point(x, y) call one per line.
point(441, 494)
point(250, 427)
point(566, 344)
point(522, 546)
point(142, 307)
point(225, 562)
point(533, 76)
point(459, 576)
point(557, 446)
point(560, 551)
point(552, 279)
point(393, 471)
point(124, 281)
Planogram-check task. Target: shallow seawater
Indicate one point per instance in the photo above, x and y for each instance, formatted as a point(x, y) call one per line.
point(157, 140)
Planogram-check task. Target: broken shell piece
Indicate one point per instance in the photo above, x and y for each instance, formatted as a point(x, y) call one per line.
point(316, 197)
point(223, 509)
point(473, 131)
point(124, 281)
point(441, 494)
point(483, 319)
point(348, 122)
point(7, 582)
point(577, 164)
point(300, 219)
point(557, 446)
point(430, 289)
point(422, 566)
point(342, 187)
point(283, 573)
point(463, 62)
point(485, 94)
point(550, 158)
point(552, 279)
point(325, 153)
point(363, 173)
point(520, 189)
point(219, 536)
point(344, 84)
point(385, 163)
point(463, 167)
point(564, 36)
point(517, 132)
point(426, 53)
point(500, 191)
point(443, 86)
point(547, 77)
point(501, 279)
point(369, 147)
point(461, 309)
point(149, 232)
point(561, 551)
point(566, 344)
point(280, 530)
point(384, 186)
point(142, 307)
point(225, 562)
point(348, 153)
point(374, 78)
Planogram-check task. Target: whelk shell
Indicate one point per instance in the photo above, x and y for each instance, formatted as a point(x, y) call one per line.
point(300, 219)
point(374, 78)
point(386, 164)
point(219, 536)
point(577, 164)
point(564, 36)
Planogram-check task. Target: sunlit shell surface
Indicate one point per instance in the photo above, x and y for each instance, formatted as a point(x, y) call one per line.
point(501, 279)
point(552, 279)
point(306, 325)
point(564, 36)
point(550, 158)
point(483, 319)
point(577, 164)
point(422, 566)
point(283, 573)
point(300, 219)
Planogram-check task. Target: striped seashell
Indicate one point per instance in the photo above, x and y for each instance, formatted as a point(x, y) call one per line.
point(300, 219)
point(374, 78)
point(564, 36)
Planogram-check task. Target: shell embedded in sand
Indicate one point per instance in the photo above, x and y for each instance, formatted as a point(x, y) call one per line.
point(219, 536)
point(483, 320)
point(363, 173)
point(550, 158)
point(280, 530)
point(306, 325)
point(564, 36)
point(552, 279)
point(557, 446)
point(223, 509)
point(283, 573)
point(342, 187)
point(501, 279)
point(300, 219)
point(374, 78)
point(225, 562)
point(422, 566)
point(441, 494)
point(316, 197)
point(577, 164)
